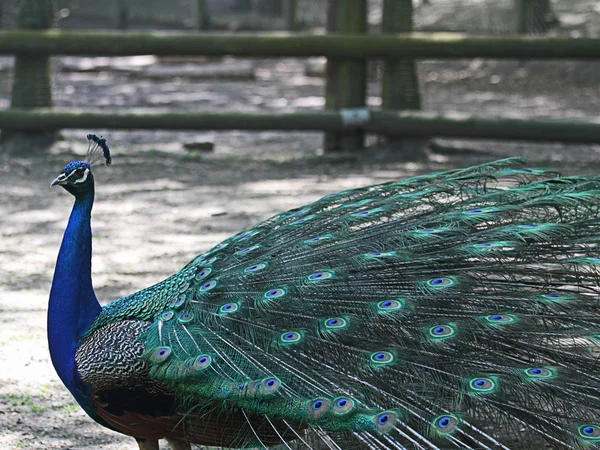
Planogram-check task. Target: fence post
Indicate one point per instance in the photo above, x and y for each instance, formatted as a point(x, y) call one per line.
point(346, 80)
point(400, 88)
point(534, 16)
point(122, 15)
point(291, 11)
point(200, 14)
point(32, 86)
point(524, 16)
point(272, 8)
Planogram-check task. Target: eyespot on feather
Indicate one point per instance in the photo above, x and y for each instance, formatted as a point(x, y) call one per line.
point(270, 385)
point(160, 355)
point(255, 268)
point(335, 323)
point(228, 308)
point(500, 319)
point(208, 262)
point(290, 337)
point(441, 282)
point(166, 315)
point(445, 424)
point(178, 302)
point(366, 213)
point(202, 362)
point(208, 286)
point(320, 276)
point(343, 405)
point(589, 432)
point(441, 332)
point(316, 408)
point(539, 372)
point(382, 357)
point(253, 387)
point(390, 305)
point(482, 385)
point(554, 297)
point(185, 317)
point(385, 421)
point(274, 293)
point(203, 273)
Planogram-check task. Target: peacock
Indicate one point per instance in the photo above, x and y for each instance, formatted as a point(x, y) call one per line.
point(459, 309)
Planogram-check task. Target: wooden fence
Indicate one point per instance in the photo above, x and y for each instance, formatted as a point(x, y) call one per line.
point(346, 116)
point(283, 44)
point(389, 123)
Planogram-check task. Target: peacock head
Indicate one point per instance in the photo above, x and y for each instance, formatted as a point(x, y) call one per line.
point(77, 176)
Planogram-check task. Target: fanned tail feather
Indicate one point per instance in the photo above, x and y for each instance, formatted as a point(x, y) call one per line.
point(453, 310)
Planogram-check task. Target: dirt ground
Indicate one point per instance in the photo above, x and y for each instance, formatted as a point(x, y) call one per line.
point(154, 212)
point(158, 206)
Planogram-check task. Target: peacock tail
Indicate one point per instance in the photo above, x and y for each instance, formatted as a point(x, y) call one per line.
point(458, 309)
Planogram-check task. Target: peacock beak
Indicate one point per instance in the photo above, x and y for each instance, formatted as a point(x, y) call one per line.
point(61, 179)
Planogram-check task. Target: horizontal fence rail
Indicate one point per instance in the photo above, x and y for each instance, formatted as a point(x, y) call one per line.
point(33, 44)
point(348, 46)
point(404, 123)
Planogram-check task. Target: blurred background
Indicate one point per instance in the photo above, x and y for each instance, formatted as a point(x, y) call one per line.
point(173, 194)
point(563, 89)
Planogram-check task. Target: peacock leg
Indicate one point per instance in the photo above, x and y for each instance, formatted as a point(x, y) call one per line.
point(147, 444)
point(179, 445)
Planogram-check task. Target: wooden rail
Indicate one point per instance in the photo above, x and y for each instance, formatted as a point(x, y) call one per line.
point(343, 46)
point(406, 123)
point(346, 48)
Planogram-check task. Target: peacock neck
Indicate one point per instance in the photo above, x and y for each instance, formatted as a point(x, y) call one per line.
point(73, 305)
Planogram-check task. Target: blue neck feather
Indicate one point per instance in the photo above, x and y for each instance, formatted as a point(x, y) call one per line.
point(73, 305)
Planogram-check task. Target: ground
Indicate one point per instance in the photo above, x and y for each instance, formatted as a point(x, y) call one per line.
point(158, 206)
point(153, 213)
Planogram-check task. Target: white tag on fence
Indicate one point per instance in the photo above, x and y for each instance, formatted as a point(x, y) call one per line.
point(354, 116)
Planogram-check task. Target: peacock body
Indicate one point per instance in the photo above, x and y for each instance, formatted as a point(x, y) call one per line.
point(453, 310)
